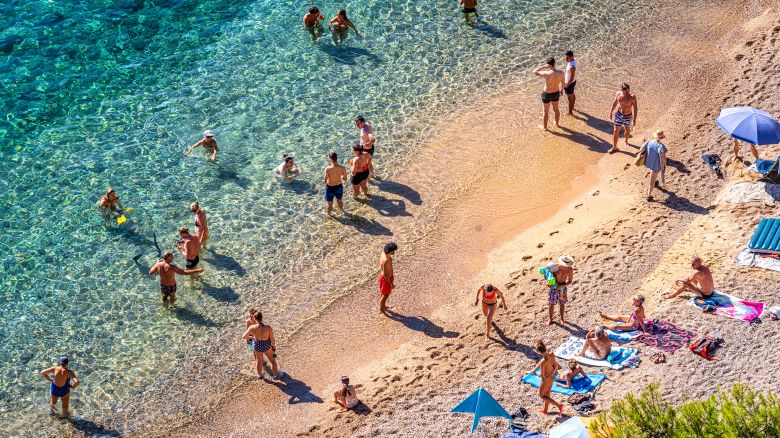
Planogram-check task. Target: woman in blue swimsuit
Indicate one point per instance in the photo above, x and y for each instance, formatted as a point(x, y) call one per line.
point(264, 345)
point(63, 381)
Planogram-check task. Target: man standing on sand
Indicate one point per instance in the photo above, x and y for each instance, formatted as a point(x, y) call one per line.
point(625, 116)
point(570, 80)
point(335, 174)
point(168, 271)
point(557, 293)
point(738, 156)
point(553, 84)
point(564, 278)
point(548, 367)
point(189, 246)
point(699, 283)
point(386, 275)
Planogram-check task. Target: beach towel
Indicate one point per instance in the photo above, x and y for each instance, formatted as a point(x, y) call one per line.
point(621, 336)
point(665, 336)
point(580, 385)
point(752, 193)
point(749, 258)
point(619, 358)
point(730, 306)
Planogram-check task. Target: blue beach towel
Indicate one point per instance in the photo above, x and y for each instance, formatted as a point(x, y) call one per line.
point(580, 385)
point(621, 336)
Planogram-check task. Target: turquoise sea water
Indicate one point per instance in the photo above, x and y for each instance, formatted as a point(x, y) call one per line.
point(111, 92)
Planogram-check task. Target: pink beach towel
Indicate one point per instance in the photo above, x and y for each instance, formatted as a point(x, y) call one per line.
point(730, 306)
point(665, 336)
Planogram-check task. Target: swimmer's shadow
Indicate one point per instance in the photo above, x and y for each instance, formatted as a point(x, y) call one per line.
point(193, 317)
point(422, 325)
point(225, 262)
point(90, 428)
point(402, 190)
point(489, 30)
point(363, 225)
point(300, 187)
point(297, 390)
point(347, 55)
point(221, 294)
point(388, 207)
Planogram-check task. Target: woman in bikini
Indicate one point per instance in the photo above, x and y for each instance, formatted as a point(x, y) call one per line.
point(598, 342)
point(548, 367)
point(346, 396)
point(264, 345)
point(568, 377)
point(200, 220)
point(63, 381)
point(635, 321)
point(339, 27)
point(490, 296)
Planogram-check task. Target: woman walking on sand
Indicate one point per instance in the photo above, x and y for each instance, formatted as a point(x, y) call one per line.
point(548, 367)
point(264, 345)
point(655, 160)
point(490, 296)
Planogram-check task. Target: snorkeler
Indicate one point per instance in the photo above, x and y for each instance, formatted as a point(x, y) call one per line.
point(288, 170)
point(339, 27)
point(208, 142)
point(311, 22)
point(109, 204)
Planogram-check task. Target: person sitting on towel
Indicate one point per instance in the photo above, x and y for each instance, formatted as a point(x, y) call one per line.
point(632, 322)
point(699, 283)
point(598, 342)
point(568, 377)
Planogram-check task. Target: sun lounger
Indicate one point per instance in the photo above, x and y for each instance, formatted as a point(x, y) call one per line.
point(580, 385)
point(766, 239)
point(619, 358)
point(729, 306)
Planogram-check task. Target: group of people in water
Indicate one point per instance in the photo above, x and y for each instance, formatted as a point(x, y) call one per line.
point(339, 25)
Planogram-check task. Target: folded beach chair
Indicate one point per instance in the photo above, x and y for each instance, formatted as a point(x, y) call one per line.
point(768, 169)
point(766, 239)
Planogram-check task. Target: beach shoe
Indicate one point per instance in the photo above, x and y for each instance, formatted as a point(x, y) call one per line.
point(281, 376)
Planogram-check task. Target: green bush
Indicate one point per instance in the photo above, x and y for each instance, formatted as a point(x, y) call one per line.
point(735, 413)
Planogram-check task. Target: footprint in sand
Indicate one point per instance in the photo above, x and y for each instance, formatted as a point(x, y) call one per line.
point(540, 245)
point(596, 193)
point(578, 206)
point(571, 219)
point(553, 233)
point(527, 257)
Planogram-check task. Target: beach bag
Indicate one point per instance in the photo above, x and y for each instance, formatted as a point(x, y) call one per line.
point(641, 158)
point(705, 346)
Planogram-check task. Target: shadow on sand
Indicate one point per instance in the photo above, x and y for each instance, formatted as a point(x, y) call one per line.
point(190, 316)
point(363, 225)
point(297, 390)
point(92, 429)
point(402, 190)
point(421, 324)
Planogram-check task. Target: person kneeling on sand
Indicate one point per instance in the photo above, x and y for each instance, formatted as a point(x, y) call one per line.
point(699, 283)
point(635, 321)
point(264, 345)
point(490, 296)
point(549, 369)
point(574, 370)
point(346, 396)
point(598, 342)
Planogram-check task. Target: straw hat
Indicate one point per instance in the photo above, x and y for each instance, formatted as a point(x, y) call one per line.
point(566, 260)
point(659, 134)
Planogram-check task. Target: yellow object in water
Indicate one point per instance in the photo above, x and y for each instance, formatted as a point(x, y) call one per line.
point(121, 219)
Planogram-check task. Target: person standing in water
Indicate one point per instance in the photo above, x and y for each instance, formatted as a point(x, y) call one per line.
point(570, 80)
point(490, 296)
point(625, 116)
point(335, 175)
point(201, 227)
point(168, 271)
point(361, 165)
point(189, 246)
point(470, 11)
point(339, 27)
point(60, 385)
point(386, 275)
point(264, 345)
point(287, 169)
point(209, 144)
point(549, 370)
point(109, 204)
point(553, 84)
point(311, 22)
point(367, 140)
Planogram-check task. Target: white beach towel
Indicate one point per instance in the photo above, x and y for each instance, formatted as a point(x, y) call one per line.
point(620, 357)
point(747, 258)
point(752, 193)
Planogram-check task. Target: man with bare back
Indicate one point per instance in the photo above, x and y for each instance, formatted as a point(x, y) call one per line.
point(168, 271)
point(699, 283)
point(386, 275)
point(553, 84)
point(625, 116)
point(335, 174)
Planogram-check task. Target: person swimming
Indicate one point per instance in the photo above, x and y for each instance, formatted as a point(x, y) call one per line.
point(311, 22)
point(209, 144)
point(287, 170)
point(339, 27)
point(109, 204)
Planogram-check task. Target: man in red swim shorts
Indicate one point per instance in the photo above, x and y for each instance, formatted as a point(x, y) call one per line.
point(386, 277)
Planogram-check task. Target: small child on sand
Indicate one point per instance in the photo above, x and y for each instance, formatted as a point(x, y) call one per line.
point(346, 396)
point(549, 369)
point(568, 376)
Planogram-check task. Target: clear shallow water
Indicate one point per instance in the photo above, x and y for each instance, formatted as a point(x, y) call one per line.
point(99, 93)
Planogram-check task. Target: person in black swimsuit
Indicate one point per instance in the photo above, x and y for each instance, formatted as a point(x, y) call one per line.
point(361, 166)
point(553, 84)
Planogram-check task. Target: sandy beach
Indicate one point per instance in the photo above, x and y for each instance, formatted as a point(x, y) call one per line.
point(529, 197)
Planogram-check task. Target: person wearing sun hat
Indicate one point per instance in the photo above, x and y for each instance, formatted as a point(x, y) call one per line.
point(655, 160)
point(209, 144)
point(557, 277)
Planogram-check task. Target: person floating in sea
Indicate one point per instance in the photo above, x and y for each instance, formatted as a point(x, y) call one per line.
point(201, 227)
point(339, 27)
point(209, 144)
point(367, 140)
point(570, 80)
point(598, 342)
point(264, 345)
point(361, 165)
point(335, 175)
point(346, 396)
point(189, 246)
point(60, 385)
point(700, 282)
point(490, 296)
point(167, 271)
point(287, 169)
point(625, 116)
point(311, 22)
point(109, 205)
point(386, 275)
point(548, 367)
point(655, 160)
point(470, 11)
point(632, 322)
point(553, 84)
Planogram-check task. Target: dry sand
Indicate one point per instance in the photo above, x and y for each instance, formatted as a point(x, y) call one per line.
point(410, 370)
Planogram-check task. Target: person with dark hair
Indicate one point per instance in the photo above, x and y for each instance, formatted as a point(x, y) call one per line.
point(287, 169)
point(168, 271)
point(470, 11)
point(109, 204)
point(700, 282)
point(335, 174)
point(361, 168)
point(570, 80)
point(189, 246)
point(346, 396)
point(60, 385)
point(339, 27)
point(367, 140)
point(201, 228)
point(264, 345)
point(490, 296)
point(553, 85)
point(625, 116)
point(548, 367)
point(386, 275)
point(311, 22)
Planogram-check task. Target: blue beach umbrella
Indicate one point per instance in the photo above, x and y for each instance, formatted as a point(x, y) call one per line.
point(481, 404)
point(749, 125)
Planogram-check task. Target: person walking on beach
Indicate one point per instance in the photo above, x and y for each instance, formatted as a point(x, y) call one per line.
point(386, 275)
point(738, 155)
point(335, 176)
point(548, 367)
point(168, 271)
point(201, 227)
point(264, 345)
point(625, 116)
point(553, 84)
point(189, 246)
point(209, 144)
point(570, 80)
point(311, 22)
point(60, 385)
point(700, 282)
point(361, 165)
point(490, 296)
point(339, 27)
point(470, 11)
point(655, 160)
point(346, 396)
point(109, 204)
point(367, 140)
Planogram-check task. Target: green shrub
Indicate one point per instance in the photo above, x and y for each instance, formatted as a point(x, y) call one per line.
point(737, 413)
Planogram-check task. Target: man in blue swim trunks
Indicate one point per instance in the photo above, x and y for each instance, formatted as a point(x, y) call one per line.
point(625, 116)
point(335, 176)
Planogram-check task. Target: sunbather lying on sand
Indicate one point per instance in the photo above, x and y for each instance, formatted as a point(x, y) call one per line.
point(598, 342)
point(699, 283)
point(573, 371)
point(635, 321)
